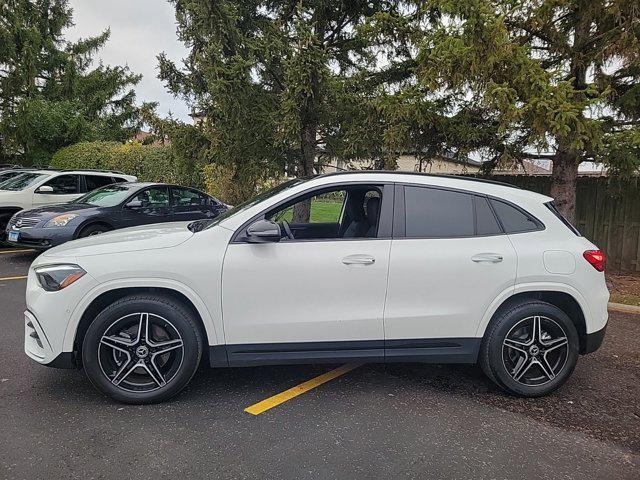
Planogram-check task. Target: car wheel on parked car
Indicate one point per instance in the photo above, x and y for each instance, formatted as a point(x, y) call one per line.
point(90, 230)
point(531, 349)
point(142, 349)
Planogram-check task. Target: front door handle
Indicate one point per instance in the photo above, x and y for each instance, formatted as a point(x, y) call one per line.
point(358, 259)
point(487, 258)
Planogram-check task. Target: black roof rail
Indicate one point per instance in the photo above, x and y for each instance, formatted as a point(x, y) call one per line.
point(421, 174)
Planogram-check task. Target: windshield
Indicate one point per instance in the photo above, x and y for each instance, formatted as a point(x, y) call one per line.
point(21, 182)
point(257, 199)
point(108, 196)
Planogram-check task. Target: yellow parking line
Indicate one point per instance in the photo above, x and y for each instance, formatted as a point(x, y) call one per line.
point(282, 397)
point(21, 277)
point(16, 251)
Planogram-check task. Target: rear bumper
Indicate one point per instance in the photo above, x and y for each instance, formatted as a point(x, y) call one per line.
point(594, 340)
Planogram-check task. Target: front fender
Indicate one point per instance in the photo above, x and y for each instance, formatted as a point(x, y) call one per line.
point(211, 324)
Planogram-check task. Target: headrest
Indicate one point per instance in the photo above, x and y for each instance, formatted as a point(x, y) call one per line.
point(373, 208)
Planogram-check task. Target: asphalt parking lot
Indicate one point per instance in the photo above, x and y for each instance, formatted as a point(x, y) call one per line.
point(375, 421)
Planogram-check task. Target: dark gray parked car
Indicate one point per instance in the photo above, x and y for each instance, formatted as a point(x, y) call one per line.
point(108, 208)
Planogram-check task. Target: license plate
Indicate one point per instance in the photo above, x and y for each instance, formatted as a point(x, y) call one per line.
point(13, 236)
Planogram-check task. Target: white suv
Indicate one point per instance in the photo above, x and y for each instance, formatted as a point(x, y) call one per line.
point(366, 266)
point(37, 188)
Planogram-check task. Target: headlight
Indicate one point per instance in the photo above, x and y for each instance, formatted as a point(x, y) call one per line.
point(56, 277)
point(60, 220)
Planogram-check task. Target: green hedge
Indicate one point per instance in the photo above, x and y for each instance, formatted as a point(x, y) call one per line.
point(150, 163)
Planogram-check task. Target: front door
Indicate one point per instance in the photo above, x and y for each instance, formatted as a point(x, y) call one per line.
point(449, 264)
point(151, 205)
point(60, 189)
point(318, 293)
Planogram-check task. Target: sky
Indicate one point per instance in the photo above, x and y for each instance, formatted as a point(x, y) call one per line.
point(140, 30)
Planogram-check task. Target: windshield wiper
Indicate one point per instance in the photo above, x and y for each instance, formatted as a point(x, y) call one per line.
point(199, 225)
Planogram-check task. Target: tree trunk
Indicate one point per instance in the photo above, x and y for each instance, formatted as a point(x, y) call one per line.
point(564, 176)
point(564, 180)
point(302, 210)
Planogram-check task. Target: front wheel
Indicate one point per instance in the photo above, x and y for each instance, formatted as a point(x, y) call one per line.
point(92, 230)
point(142, 349)
point(530, 350)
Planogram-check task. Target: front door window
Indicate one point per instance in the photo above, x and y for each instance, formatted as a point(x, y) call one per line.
point(351, 212)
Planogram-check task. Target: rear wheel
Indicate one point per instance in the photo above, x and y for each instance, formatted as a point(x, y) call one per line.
point(530, 350)
point(142, 349)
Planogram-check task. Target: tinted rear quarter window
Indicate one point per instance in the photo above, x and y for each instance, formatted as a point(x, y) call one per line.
point(435, 213)
point(513, 219)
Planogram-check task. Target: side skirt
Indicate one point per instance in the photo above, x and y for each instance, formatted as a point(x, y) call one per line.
point(438, 350)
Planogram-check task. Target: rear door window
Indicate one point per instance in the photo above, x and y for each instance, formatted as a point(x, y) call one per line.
point(514, 219)
point(187, 200)
point(435, 213)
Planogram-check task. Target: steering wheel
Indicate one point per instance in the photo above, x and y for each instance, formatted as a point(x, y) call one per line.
point(287, 230)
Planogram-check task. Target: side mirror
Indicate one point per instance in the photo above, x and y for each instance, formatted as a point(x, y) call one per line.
point(44, 189)
point(134, 205)
point(263, 231)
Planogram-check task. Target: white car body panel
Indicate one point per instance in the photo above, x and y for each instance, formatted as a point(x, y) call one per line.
point(436, 290)
point(301, 291)
point(119, 265)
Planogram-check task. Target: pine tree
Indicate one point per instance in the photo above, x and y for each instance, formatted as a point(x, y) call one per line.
point(281, 83)
point(50, 95)
point(557, 76)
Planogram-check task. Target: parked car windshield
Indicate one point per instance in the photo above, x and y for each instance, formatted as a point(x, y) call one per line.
point(108, 196)
point(257, 199)
point(21, 182)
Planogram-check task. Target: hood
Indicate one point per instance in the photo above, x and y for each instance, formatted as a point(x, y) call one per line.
point(148, 237)
point(49, 211)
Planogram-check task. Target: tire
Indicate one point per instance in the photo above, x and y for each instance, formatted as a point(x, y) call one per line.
point(142, 349)
point(95, 229)
point(526, 365)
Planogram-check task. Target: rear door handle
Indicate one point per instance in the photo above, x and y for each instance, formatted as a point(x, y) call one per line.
point(487, 258)
point(358, 259)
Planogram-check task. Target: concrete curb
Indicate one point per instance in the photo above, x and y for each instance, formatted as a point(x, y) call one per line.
point(621, 307)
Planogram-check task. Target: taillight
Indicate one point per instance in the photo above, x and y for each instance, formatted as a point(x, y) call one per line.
point(596, 258)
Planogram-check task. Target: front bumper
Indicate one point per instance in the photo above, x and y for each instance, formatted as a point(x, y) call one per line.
point(47, 318)
point(41, 238)
point(38, 347)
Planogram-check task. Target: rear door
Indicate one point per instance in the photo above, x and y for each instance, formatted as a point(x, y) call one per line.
point(449, 260)
point(189, 204)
